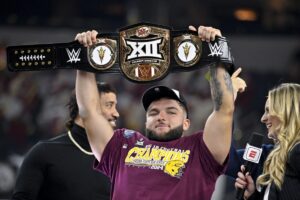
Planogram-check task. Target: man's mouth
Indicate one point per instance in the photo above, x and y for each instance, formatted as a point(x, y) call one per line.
point(161, 126)
point(112, 122)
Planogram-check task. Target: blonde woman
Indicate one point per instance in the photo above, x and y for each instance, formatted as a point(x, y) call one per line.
point(281, 174)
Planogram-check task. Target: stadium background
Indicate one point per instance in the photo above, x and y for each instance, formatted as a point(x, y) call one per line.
point(263, 35)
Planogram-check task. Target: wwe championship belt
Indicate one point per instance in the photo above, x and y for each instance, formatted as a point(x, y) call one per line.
point(142, 53)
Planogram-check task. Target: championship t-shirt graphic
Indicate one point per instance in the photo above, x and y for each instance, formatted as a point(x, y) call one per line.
point(169, 160)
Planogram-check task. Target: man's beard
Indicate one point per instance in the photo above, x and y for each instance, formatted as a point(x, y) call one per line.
point(173, 134)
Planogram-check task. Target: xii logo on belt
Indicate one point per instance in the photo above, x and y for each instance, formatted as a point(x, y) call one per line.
point(145, 52)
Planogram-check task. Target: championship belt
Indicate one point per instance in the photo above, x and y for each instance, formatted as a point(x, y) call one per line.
point(142, 53)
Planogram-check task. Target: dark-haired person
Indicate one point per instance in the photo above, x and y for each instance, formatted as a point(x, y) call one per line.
point(162, 164)
point(61, 168)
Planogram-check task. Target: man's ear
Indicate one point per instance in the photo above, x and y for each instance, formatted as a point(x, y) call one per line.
point(186, 124)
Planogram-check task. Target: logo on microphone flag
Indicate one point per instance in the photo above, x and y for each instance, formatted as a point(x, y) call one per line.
point(252, 153)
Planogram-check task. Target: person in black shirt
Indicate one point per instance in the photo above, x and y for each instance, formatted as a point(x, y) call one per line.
point(280, 178)
point(61, 168)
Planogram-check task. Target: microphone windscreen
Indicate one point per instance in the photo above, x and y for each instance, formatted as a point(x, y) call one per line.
point(256, 139)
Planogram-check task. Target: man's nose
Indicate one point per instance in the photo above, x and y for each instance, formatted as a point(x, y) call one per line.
point(116, 113)
point(162, 115)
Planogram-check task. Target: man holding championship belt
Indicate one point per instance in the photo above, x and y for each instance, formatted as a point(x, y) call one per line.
point(162, 164)
point(141, 53)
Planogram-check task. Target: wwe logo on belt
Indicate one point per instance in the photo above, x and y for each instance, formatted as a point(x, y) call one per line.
point(215, 49)
point(149, 49)
point(73, 55)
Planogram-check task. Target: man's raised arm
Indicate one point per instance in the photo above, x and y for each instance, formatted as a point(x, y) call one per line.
point(218, 127)
point(97, 127)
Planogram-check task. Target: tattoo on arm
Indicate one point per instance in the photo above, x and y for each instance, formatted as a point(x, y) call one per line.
point(228, 82)
point(215, 86)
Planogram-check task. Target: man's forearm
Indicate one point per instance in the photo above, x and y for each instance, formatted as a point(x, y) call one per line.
point(221, 89)
point(86, 93)
point(88, 101)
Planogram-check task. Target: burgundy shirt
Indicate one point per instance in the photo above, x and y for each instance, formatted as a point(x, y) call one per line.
point(140, 168)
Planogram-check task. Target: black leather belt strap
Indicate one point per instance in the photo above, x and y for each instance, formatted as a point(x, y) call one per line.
point(141, 52)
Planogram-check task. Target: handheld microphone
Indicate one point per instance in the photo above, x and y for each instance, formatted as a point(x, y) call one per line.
point(251, 156)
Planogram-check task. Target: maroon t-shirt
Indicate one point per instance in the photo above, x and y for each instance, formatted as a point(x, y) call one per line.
point(140, 168)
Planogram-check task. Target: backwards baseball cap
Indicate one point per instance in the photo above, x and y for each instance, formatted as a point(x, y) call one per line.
point(158, 92)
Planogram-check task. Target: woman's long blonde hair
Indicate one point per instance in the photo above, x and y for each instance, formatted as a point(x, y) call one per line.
point(284, 104)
